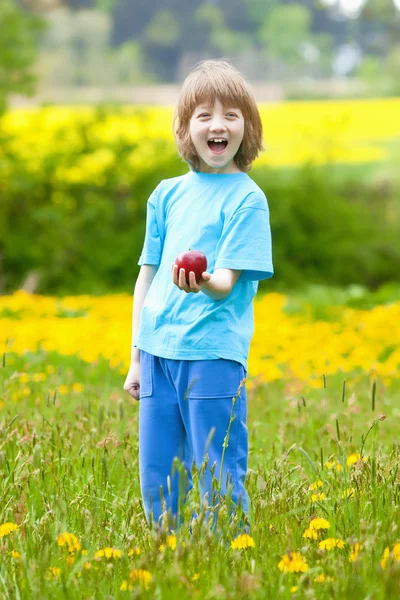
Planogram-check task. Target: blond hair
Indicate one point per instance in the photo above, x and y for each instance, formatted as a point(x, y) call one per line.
point(207, 81)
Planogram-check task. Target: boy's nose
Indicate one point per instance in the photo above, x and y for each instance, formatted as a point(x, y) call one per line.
point(217, 127)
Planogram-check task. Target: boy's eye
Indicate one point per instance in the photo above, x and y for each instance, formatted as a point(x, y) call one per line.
point(206, 115)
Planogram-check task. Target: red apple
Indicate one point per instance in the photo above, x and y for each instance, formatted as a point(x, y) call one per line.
point(193, 260)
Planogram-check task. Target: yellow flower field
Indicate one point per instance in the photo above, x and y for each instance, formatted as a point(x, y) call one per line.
point(335, 131)
point(295, 349)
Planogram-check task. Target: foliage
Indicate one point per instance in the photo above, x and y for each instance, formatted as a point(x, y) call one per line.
point(72, 524)
point(73, 207)
point(18, 47)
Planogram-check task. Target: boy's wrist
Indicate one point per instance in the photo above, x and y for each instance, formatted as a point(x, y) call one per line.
point(215, 289)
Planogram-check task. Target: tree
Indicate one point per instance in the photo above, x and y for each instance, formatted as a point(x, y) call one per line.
point(18, 50)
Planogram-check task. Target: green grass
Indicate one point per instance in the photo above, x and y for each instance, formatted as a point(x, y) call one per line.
point(70, 463)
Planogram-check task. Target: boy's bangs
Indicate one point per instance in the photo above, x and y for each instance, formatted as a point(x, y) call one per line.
point(206, 92)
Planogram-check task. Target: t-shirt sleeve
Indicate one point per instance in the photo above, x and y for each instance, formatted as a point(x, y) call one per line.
point(246, 243)
point(153, 241)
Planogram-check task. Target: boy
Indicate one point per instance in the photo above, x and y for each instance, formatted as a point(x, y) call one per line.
point(191, 340)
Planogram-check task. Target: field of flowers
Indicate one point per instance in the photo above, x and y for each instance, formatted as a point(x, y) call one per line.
point(324, 479)
point(335, 132)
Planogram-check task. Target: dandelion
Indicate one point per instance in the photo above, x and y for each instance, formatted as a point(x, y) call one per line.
point(140, 576)
point(395, 554)
point(322, 578)
point(7, 528)
point(352, 459)
point(242, 542)
point(15, 554)
point(108, 553)
point(333, 464)
point(196, 576)
point(293, 562)
point(319, 523)
point(39, 377)
point(330, 543)
point(355, 548)
point(317, 497)
point(63, 389)
point(70, 559)
point(311, 534)
point(294, 589)
point(134, 551)
point(87, 566)
point(315, 485)
point(54, 572)
point(77, 387)
point(70, 540)
point(349, 493)
point(171, 543)
point(385, 556)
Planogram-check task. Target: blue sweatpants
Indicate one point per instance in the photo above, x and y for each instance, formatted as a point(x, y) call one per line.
point(185, 410)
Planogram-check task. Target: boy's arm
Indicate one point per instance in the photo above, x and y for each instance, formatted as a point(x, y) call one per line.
point(221, 283)
point(142, 286)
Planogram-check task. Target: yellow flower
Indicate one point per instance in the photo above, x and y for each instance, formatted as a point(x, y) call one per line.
point(24, 378)
point(77, 387)
point(63, 389)
point(142, 577)
point(243, 541)
point(293, 562)
point(310, 534)
point(70, 559)
point(196, 576)
point(316, 497)
point(319, 523)
point(39, 377)
point(396, 551)
point(54, 572)
point(395, 554)
point(87, 566)
point(7, 528)
point(70, 540)
point(133, 551)
point(352, 459)
point(15, 554)
point(294, 589)
point(108, 553)
point(171, 543)
point(322, 578)
point(385, 556)
point(355, 548)
point(334, 465)
point(330, 543)
point(349, 493)
point(315, 485)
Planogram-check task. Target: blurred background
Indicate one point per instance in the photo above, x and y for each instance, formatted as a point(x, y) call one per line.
point(87, 89)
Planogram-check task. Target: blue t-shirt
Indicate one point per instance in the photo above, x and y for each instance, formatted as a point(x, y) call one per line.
point(225, 216)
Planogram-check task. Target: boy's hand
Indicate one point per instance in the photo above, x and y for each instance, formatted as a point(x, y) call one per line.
point(179, 280)
point(132, 381)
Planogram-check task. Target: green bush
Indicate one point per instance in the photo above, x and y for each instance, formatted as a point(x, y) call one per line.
point(86, 237)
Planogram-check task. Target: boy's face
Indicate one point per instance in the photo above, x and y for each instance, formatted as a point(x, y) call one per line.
point(217, 122)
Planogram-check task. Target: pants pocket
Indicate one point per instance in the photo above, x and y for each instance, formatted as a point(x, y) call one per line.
point(146, 374)
point(218, 378)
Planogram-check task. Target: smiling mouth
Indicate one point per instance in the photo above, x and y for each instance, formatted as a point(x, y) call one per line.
point(217, 147)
